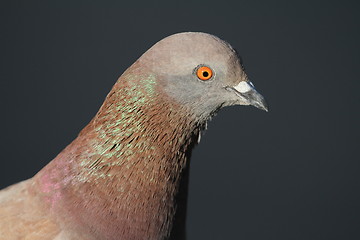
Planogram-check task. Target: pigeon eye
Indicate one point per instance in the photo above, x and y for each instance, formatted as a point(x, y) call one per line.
point(204, 73)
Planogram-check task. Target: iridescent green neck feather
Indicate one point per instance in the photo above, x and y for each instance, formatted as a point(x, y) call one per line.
point(126, 163)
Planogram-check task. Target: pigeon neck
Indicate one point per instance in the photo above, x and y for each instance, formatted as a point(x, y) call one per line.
point(121, 175)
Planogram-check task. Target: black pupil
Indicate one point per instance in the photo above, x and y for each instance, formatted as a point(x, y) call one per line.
point(205, 74)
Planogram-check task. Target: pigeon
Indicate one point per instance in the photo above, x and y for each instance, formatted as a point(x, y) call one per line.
point(119, 179)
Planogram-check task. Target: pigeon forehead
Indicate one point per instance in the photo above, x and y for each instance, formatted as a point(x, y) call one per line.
point(186, 50)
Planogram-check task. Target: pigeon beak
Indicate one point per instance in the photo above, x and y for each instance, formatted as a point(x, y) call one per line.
point(248, 93)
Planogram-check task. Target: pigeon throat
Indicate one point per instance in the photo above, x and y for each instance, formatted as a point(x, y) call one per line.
point(132, 155)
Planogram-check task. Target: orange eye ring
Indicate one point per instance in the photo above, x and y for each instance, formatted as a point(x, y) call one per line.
point(204, 73)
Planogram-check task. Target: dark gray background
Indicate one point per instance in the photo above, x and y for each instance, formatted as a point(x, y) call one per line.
point(292, 173)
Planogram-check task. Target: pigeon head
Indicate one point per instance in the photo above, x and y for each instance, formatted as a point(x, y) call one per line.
point(202, 72)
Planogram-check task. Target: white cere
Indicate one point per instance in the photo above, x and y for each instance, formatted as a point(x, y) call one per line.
point(244, 87)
